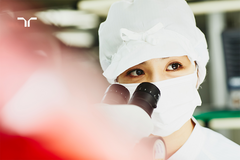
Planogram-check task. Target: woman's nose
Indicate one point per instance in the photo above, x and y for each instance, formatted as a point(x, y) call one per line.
point(156, 76)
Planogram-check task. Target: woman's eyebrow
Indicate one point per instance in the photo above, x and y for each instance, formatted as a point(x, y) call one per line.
point(165, 57)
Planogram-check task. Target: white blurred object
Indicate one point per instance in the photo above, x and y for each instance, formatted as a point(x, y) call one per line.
point(66, 18)
point(33, 105)
point(216, 25)
point(76, 38)
point(224, 123)
point(101, 7)
point(98, 7)
point(234, 81)
point(132, 121)
point(215, 6)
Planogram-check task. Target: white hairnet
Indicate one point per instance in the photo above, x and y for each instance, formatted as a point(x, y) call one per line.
point(139, 30)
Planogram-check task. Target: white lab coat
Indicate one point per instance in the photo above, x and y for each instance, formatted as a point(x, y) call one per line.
point(205, 144)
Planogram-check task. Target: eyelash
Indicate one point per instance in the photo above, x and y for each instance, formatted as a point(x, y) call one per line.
point(131, 71)
point(178, 64)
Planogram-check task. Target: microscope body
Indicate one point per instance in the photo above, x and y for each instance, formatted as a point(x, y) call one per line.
point(133, 118)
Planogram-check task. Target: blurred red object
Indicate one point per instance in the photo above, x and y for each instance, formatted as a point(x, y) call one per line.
point(13, 147)
point(47, 131)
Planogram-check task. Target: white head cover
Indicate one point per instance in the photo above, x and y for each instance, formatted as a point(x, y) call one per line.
point(139, 30)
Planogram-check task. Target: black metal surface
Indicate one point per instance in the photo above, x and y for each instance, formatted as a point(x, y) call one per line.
point(146, 96)
point(231, 45)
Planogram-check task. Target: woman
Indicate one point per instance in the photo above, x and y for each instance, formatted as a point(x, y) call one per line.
point(157, 41)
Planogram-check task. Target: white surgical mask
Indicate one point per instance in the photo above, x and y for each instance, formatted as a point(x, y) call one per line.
point(178, 100)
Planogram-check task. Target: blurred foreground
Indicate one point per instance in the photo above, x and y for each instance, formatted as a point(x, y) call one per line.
point(47, 96)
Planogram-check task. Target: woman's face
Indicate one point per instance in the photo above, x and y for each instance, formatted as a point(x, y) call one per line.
point(158, 69)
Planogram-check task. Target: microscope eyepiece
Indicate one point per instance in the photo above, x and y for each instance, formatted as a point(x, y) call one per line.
point(116, 94)
point(146, 96)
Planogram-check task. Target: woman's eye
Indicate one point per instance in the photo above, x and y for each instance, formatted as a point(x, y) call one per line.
point(136, 72)
point(174, 66)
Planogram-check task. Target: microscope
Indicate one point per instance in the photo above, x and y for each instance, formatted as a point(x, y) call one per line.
point(135, 114)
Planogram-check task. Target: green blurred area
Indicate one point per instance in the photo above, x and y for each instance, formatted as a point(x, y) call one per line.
point(207, 116)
